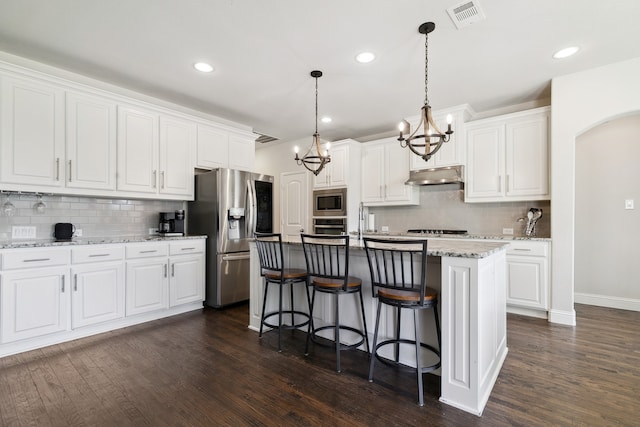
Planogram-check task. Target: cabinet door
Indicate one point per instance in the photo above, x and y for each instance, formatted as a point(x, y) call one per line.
point(31, 133)
point(527, 282)
point(485, 163)
point(146, 285)
point(338, 171)
point(177, 137)
point(91, 142)
point(527, 162)
point(450, 153)
point(396, 172)
point(34, 302)
point(187, 280)
point(242, 153)
point(138, 147)
point(98, 293)
point(212, 148)
point(373, 168)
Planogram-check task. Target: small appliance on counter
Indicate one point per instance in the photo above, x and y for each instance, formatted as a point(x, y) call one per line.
point(171, 223)
point(63, 231)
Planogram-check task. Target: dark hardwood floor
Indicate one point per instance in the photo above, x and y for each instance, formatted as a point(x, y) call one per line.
point(207, 368)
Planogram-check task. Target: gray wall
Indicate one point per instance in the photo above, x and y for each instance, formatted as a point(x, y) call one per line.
point(96, 217)
point(606, 234)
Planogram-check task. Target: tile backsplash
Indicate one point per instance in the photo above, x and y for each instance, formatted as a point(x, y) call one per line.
point(97, 217)
point(443, 207)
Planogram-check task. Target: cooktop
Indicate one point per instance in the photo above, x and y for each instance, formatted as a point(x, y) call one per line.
point(435, 231)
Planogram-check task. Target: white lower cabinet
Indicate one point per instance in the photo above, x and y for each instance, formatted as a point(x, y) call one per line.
point(528, 274)
point(186, 281)
point(50, 295)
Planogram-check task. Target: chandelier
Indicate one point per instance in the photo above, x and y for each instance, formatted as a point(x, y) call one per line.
point(314, 159)
point(427, 138)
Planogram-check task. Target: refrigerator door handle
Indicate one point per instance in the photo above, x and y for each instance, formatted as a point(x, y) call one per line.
point(236, 257)
point(251, 223)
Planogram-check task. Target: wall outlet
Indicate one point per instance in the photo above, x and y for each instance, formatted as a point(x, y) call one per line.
point(385, 228)
point(628, 204)
point(23, 232)
point(153, 231)
point(78, 232)
point(508, 231)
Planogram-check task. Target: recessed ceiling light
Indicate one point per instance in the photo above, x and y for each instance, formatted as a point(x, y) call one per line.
point(365, 57)
point(326, 119)
point(203, 67)
point(566, 52)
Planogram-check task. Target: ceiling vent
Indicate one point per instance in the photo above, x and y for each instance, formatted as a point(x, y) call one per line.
point(263, 139)
point(466, 13)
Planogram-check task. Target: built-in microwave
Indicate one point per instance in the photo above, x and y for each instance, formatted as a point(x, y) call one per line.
point(330, 202)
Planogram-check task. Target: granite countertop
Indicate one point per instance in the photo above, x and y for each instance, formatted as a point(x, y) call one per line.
point(41, 243)
point(463, 248)
point(452, 236)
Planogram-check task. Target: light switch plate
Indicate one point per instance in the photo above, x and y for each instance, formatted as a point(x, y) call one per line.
point(628, 204)
point(78, 232)
point(508, 231)
point(385, 228)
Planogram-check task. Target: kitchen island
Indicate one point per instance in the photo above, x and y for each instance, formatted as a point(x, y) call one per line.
point(470, 276)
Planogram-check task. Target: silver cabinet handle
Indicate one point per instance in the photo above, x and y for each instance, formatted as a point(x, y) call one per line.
point(499, 183)
point(187, 249)
point(522, 249)
point(69, 170)
point(173, 270)
point(98, 255)
point(165, 270)
point(149, 252)
point(155, 178)
point(36, 259)
point(75, 282)
point(62, 283)
point(57, 168)
point(162, 179)
point(506, 183)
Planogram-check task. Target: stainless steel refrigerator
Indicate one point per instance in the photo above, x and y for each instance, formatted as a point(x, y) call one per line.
point(230, 205)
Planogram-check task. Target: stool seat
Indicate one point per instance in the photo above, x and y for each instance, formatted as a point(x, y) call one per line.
point(410, 296)
point(286, 274)
point(324, 282)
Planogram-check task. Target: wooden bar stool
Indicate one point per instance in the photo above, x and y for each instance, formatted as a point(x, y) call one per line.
point(327, 259)
point(398, 278)
point(272, 269)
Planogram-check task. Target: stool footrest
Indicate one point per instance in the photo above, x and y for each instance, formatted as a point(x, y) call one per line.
point(402, 366)
point(284, 313)
point(343, 346)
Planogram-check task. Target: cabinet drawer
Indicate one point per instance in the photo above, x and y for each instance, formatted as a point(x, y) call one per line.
point(527, 248)
point(146, 250)
point(97, 253)
point(186, 247)
point(33, 258)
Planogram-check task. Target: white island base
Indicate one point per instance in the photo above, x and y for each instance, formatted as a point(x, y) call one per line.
point(471, 279)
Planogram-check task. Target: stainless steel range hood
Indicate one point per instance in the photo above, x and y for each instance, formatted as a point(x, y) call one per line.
point(435, 176)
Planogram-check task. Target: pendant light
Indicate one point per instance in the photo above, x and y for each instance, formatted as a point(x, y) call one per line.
point(426, 139)
point(314, 159)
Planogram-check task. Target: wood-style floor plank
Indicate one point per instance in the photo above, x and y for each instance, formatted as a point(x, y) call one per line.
point(207, 368)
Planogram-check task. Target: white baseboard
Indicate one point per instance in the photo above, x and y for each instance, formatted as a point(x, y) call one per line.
point(540, 314)
point(607, 301)
point(563, 317)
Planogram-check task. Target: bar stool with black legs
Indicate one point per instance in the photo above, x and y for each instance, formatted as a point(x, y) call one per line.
point(272, 269)
point(398, 279)
point(327, 258)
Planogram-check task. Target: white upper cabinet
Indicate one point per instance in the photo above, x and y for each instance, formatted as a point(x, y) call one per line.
point(242, 152)
point(385, 168)
point(508, 157)
point(138, 147)
point(335, 173)
point(177, 139)
point(154, 153)
point(451, 153)
point(212, 149)
point(91, 142)
point(32, 133)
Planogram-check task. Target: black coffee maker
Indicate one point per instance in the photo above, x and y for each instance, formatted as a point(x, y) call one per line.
point(171, 223)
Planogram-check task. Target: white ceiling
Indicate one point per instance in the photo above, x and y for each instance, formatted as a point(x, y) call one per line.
point(264, 50)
